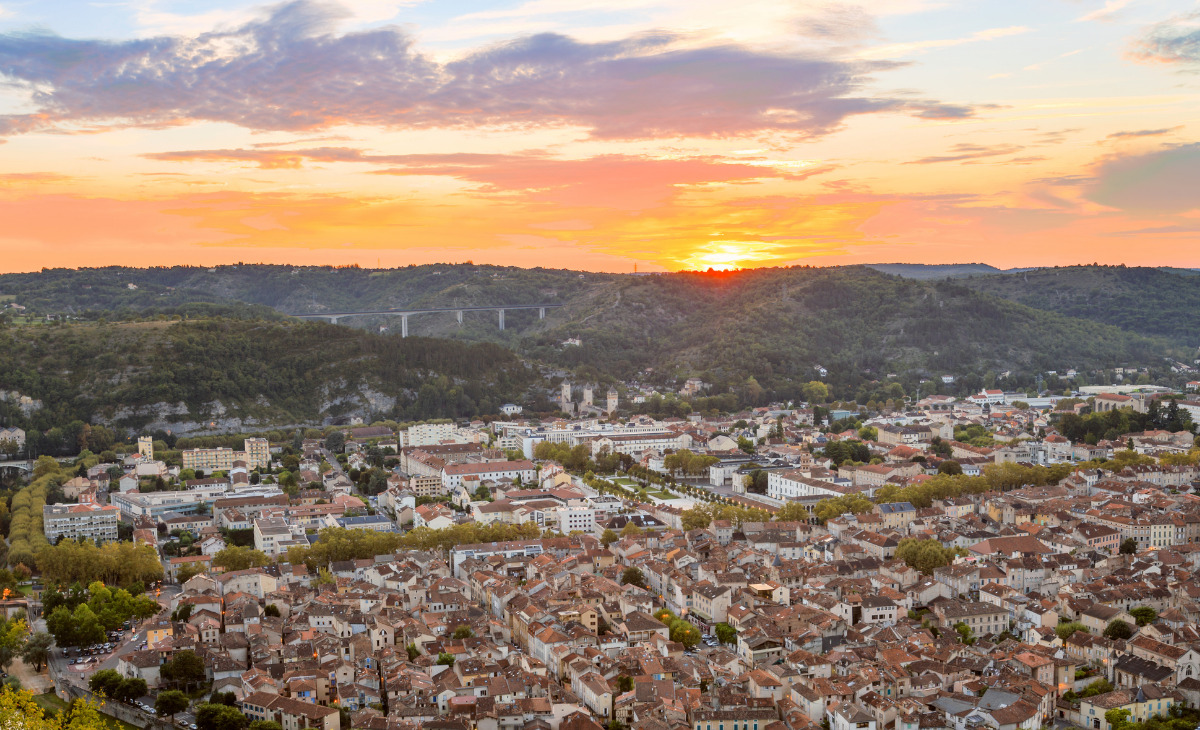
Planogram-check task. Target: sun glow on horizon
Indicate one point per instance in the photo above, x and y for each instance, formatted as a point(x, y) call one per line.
point(731, 256)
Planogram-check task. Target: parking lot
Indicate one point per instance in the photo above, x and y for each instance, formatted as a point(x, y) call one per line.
point(184, 719)
point(82, 659)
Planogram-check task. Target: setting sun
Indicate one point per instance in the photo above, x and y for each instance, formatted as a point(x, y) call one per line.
point(729, 255)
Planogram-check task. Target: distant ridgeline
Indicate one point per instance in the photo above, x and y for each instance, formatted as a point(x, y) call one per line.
point(753, 336)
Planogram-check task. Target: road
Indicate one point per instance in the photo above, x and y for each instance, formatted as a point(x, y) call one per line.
point(60, 664)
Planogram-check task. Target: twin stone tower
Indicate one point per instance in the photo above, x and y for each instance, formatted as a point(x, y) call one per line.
point(567, 404)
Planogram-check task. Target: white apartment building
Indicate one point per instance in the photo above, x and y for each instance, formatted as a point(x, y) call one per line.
point(273, 536)
point(637, 443)
point(576, 519)
point(796, 484)
point(80, 522)
point(453, 474)
point(430, 434)
point(133, 505)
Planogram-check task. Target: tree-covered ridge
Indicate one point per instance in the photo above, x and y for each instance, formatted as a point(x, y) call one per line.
point(758, 333)
point(777, 325)
point(274, 371)
point(295, 289)
point(1146, 300)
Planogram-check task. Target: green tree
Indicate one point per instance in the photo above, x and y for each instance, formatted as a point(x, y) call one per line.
point(220, 717)
point(185, 669)
point(1068, 629)
point(1118, 630)
point(335, 442)
point(1129, 546)
point(924, 556)
point(272, 725)
point(684, 632)
point(1098, 687)
point(130, 689)
point(726, 634)
point(815, 392)
point(633, 575)
point(1117, 718)
point(446, 659)
point(189, 571)
point(171, 702)
point(792, 512)
point(105, 682)
point(1144, 615)
point(965, 634)
point(240, 558)
point(951, 467)
point(608, 537)
point(827, 509)
point(696, 518)
point(463, 632)
point(36, 651)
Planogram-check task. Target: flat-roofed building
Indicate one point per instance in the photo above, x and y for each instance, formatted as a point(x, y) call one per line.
point(80, 522)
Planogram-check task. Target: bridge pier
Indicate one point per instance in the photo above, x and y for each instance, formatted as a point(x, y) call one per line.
point(404, 325)
point(334, 320)
point(501, 319)
point(541, 312)
point(460, 318)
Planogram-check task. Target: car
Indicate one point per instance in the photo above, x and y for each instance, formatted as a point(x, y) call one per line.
point(192, 726)
point(74, 661)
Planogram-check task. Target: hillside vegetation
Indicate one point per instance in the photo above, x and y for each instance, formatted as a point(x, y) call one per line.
point(240, 372)
point(760, 333)
point(1150, 301)
point(937, 271)
point(777, 325)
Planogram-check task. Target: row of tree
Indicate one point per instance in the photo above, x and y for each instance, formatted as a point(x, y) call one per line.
point(113, 563)
point(338, 543)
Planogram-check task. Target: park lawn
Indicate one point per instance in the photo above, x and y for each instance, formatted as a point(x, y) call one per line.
point(52, 703)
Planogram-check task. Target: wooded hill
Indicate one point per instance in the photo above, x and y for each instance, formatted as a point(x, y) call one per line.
point(251, 371)
point(1149, 301)
point(761, 333)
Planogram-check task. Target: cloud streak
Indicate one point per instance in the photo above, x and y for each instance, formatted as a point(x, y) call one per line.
point(291, 71)
point(965, 151)
point(1135, 134)
point(615, 181)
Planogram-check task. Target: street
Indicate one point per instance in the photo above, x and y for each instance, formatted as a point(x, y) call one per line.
point(77, 674)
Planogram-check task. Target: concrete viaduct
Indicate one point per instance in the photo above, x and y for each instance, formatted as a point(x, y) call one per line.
point(404, 314)
point(26, 466)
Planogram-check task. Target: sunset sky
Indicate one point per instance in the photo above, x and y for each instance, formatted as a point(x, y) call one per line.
point(661, 134)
